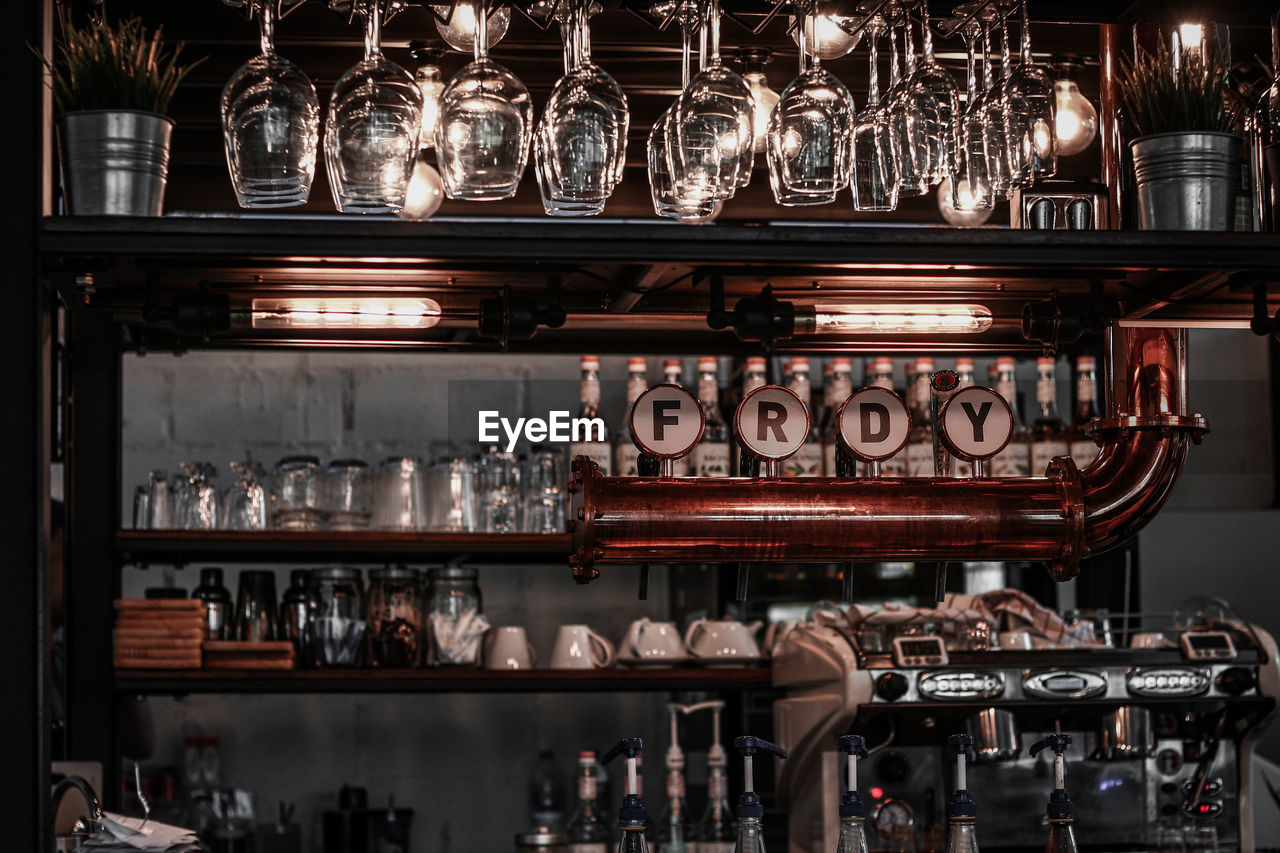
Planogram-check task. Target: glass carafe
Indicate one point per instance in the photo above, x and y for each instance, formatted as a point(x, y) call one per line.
point(270, 124)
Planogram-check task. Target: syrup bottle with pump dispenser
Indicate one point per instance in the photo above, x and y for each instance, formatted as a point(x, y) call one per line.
point(853, 812)
point(717, 830)
point(961, 812)
point(674, 833)
point(1061, 810)
point(632, 817)
point(750, 809)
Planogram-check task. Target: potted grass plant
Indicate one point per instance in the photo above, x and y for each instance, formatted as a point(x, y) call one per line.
point(1186, 159)
point(112, 85)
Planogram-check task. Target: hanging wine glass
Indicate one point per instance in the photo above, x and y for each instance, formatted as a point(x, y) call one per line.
point(912, 180)
point(710, 129)
point(809, 133)
point(991, 106)
point(485, 127)
point(971, 182)
point(667, 202)
point(371, 137)
point(1030, 117)
point(875, 178)
point(583, 133)
point(933, 101)
point(270, 124)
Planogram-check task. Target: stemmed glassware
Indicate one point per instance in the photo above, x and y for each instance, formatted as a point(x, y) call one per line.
point(874, 175)
point(991, 107)
point(971, 183)
point(270, 124)
point(371, 137)
point(580, 144)
point(485, 127)
point(667, 202)
point(933, 102)
point(709, 131)
point(912, 180)
point(1030, 117)
point(809, 132)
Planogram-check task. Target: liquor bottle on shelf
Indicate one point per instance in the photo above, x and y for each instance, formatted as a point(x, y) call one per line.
point(753, 377)
point(587, 830)
point(841, 385)
point(853, 811)
point(908, 391)
point(673, 374)
point(750, 810)
point(633, 818)
point(961, 812)
point(1047, 434)
point(674, 829)
point(1061, 810)
point(711, 455)
point(1083, 448)
point(882, 377)
point(920, 443)
point(807, 461)
point(1012, 461)
point(964, 370)
point(717, 829)
point(625, 453)
point(593, 441)
point(546, 792)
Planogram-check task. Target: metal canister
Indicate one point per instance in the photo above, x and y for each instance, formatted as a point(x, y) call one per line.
point(217, 604)
point(297, 608)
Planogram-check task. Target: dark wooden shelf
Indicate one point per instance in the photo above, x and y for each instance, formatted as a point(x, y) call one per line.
point(171, 682)
point(187, 546)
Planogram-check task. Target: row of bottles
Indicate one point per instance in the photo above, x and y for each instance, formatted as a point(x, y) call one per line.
point(1039, 435)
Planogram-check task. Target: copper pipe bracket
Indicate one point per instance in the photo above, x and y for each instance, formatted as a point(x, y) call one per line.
point(580, 520)
point(1063, 471)
point(1196, 425)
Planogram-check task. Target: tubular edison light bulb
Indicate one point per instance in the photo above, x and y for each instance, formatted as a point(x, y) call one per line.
point(833, 40)
point(460, 32)
point(895, 319)
point(368, 312)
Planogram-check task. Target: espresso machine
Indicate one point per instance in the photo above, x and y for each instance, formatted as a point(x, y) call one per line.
point(1161, 735)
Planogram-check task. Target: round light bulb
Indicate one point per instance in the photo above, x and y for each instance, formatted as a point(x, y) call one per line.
point(460, 32)
point(763, 100)
point(833, 40)
point(965, 217)
point(424, 194)
point(1076, 125)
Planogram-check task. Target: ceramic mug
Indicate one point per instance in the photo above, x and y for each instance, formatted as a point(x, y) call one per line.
point(508, 648)
point(654, 642)
point(712, 640)
point(776, 633)
point(578, 647)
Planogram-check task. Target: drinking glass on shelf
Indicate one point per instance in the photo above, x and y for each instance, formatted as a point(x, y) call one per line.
point(667, 202)
point(971, 182)
point(244, 503)
point(485, 127)
point(256, 604)
point(499, 494)
point(270, 124)
point(153, 503)
point(399, 495)
point(710, 142)
point(543, 510)
point(932, 98)
point(809, 132)
point(195, 500)
point(1030, 107)
point(348, 500)
point(371, 136)
point(874, 175)
point(297, 494)
point(451, 484)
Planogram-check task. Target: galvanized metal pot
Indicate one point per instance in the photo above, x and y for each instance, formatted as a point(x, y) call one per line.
point(114, 162)
point(1186, 181)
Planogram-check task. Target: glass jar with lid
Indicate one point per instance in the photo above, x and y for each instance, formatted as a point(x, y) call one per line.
point(454, 609)
point(338, 625)
point(395, 616)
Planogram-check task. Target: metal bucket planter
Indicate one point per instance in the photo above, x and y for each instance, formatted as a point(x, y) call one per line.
point(114, 162)
point(1187, 181)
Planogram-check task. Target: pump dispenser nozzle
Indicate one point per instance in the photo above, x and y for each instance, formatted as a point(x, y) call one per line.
point(962, 804)
point(632, 815)
point(854, 747)
point(749, 803)
point(1060, 805)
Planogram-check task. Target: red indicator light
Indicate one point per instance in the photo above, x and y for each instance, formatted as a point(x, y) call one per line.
point(877, 792)
point(1204, 808)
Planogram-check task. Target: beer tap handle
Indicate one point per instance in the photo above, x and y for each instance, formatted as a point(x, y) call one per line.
point(740, 593)
point(644, 582)
point(846, 584)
